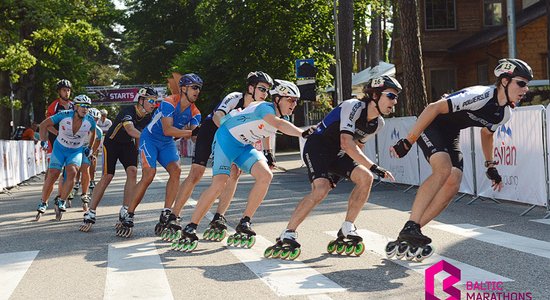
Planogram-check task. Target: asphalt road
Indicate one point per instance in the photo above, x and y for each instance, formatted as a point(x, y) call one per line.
point(498, 252)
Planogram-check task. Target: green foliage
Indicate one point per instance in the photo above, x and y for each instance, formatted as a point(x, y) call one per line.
point(17, 59)
point(6, 102)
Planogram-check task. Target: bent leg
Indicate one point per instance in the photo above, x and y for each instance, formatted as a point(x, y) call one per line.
point(208, 197)
point(173, 183)
point(363, 179)
point(443, 197)
point(147, 176)
point(263, 176)
point(320, 189)
point(227, 195)
point(187, 186)
point(99, 191)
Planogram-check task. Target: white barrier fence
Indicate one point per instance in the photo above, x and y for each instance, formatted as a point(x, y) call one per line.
point(520, 146)
point(19, 161)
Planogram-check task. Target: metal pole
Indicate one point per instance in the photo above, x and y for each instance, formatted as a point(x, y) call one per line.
point(547, 41)
point(338, 84)
point(511, 16)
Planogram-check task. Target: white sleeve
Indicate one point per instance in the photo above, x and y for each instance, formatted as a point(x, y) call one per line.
point(230, 102)
point(470, 99)
point(350, 111)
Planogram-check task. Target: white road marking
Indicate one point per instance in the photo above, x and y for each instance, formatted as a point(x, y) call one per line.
point(377, 243)
point(13, 267)
point(513, 241)
point(285, 278)
point(543, 221)
point(134, 270)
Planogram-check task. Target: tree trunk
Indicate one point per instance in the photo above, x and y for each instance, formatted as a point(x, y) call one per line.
point(5, 112)
point(413, 70)
point(375, 40)
point(345, 28)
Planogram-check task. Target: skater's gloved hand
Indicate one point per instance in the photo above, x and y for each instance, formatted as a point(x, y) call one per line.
point(270, 158)
point(87, 152)
point(306, 133)
point(493, 175)
point(401, 148)
point(44, 145)
point(195, 131)
point(383, 173)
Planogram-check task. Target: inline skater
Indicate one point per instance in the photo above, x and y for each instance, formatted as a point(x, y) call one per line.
point(258, 84)
point(120, 144)
point(334, 151)
point(157, 144)
point(74, 127)
point(233, 144)
point(438, 127)
point(89, 151)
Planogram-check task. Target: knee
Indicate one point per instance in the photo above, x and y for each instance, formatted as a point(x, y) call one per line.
point(195, 176)
point(364, 179)
point(131, 172)
point(175, 171)
point(264, 177)
point(320, 191)
point(442, 172)
point(454, 179)
point(148, 174)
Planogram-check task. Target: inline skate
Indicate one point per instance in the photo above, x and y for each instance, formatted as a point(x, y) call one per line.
point(172, 231)
point(217, 230)
point(286, 247)
point(188, 241)
point(347, 242)
point(163, 221)
point(89, 220)
point(411, 244)
point(41, 209)
point(59, 207)
point(127, 226)
point(85, 201)
point(123, 211)
point(244, 235)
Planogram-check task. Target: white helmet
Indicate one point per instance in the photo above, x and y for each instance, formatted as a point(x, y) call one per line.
point(82, 99)
point(103, 112)
point(94, 112)
point(285, 89)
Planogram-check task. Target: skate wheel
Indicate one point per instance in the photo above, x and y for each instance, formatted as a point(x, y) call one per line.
point(412, 253)
point(222, 235)
point(285, 254)
point(248, 243)
point(294, 254)
point(84, 207)
point(426, 252)
point(350, 248)
point(173, 246)
point(391, 249)
point(402, 249)
point(206, 234)
point(192, 246)
point(212, 235)
point(340, 248)
point(359, 249)
point(268, 252)
point(85, 227)
point(230, 240)
point(331, 247)
point(38, 215)
point(277, 253)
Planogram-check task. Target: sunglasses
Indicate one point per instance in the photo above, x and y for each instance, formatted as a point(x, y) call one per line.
point(84, 105)
point(196, 87)
point(262, 89)
point(151, 100)
point(391, 95)
point(520, 82)
point(292, 100)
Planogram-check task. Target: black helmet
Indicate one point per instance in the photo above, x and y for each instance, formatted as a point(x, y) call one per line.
point(63, 83)
point(512, 67)
point(147, 92)
point(384, 81)
point(258, 76)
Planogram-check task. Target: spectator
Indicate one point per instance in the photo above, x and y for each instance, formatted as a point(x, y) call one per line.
point(104, 123)
point(31, 133)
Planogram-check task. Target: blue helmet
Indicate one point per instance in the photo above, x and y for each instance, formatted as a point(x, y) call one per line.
point(189, 79)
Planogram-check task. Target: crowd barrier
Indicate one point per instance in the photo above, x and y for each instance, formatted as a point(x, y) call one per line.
point(19, 161)
point(520, 147)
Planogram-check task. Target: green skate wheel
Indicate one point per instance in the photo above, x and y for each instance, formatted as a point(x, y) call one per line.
point(192, 246)
point(294, 254)
point(212, 235)
point(340, 248)
point(359, 249)
point(230, 240)
point(206, 234)
point(268, 252)
point(221, 235)
point(349, 249)
point(248, 243)
point(173, 246)
point(277, 253)
point(237, 241)
point(179, 246)
point(331, 247)
point(285, 254)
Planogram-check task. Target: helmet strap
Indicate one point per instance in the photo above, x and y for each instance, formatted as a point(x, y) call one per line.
point(508, 102)
point(279, 107)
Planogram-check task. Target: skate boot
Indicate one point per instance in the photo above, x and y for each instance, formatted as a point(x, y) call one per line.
point(348, 241)
point(41, 209)
point(286, 246)
point(70, 199)
point(163, 221)
point(188, 241)
point(92, 185)
point(244, 235)
point(127, 226)
point(411, 244)
point(121, 215)
point(89, 220)
point(60, 208)
point(217, 230)
point(76, 187)
point(85, 201)
point(172, 232)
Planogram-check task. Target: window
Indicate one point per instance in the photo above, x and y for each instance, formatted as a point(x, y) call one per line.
point(440, 14)
point(492, 12)
point(483, 74)
point(443, 81)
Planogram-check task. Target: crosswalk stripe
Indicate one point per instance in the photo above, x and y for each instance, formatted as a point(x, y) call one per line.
point(285, 278)
point(543, 221)
point(376, 243)
point(134, 270)
point(13, 267)
point(513, 241)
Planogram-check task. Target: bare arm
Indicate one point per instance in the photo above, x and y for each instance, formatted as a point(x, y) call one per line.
point(169, 129)
point(283, 125)
point(354, 151)
point(44, 128)
point(487, 143)
point(217, 117)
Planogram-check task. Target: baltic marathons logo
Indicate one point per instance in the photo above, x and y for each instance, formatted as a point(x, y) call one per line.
point(454, 277)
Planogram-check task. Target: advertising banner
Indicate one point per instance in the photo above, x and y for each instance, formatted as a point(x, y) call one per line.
point(518, 149)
